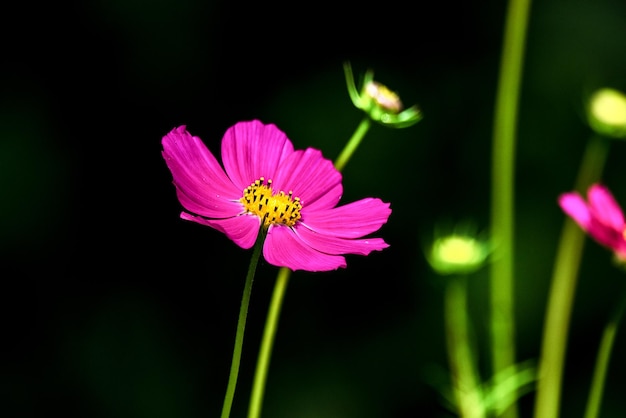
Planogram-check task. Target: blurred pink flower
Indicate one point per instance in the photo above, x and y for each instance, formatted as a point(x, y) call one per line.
point(601, 217)
point(265, 182)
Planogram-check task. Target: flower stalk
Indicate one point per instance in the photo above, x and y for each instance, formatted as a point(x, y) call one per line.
point(353, 143)
point(602, 361)
point(241, 325)
point(503, 167)
point(267, 343)
point(465, 379)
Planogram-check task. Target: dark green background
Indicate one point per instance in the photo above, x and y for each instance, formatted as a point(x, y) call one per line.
point(112, 306)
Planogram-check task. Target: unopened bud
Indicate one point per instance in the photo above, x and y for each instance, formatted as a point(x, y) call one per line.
point(607, 112)
point(458, 253)
point(380, 103)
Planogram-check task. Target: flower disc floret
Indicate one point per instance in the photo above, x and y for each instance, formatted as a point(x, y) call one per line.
point(296, 205)
point(280, 208)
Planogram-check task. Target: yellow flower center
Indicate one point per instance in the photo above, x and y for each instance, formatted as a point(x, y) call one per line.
point(273, 208)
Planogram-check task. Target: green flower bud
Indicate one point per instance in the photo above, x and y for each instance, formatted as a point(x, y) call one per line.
point(379, 103)
point(606, 112)
point(458, 253)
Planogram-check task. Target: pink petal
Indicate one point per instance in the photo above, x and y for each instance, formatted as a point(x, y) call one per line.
point(330, 244)
point(602, 218)
point(574, 206)
point(604, 207)
point(283, 249)
point(201, 183)
point(209, 206)
point(243, 230)
point(251, 150)
point(327, 200)
point(311, 177)
point(605, 234)
point(353, 220)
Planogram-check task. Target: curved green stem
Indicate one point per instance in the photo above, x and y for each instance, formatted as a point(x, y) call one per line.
point(353, 143)
point(263, 362)
point(503, 168)
point(241, 325)
point(563, 287)
point(602, 362)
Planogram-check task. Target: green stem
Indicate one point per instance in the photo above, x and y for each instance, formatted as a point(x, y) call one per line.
point(241, 325)
point(353, 143)
point(564, 278)
point(503, 167)
point(263, 362)
point(462, 362)
point(602, 362)
point(593, 162)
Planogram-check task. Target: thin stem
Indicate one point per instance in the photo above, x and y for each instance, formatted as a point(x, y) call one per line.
point(563, 287)
point(464, 376)
point(593, 162)
point(353, 143)
point(241, 325)
point(602, 362)
point(263, 362)
point(503, 167)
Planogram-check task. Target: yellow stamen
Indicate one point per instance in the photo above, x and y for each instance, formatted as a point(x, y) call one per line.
point(280, 208)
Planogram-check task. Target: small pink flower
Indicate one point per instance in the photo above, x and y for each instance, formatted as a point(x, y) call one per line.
point(266, 183)
point(601, 217)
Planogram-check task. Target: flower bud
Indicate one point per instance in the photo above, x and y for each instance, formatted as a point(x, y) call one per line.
point(383, 97)
point(458, 253)
point(380, 103)
point(606, 112)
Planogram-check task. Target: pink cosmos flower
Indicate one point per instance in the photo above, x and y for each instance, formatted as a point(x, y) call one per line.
point(601, 217)
point(266, 183)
